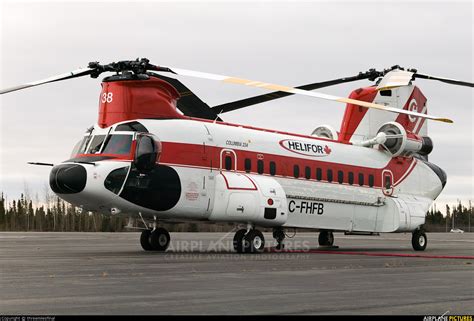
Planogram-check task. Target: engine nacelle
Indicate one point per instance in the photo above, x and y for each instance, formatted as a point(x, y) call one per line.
point(325, 131)
point(249, 199)
point(399, 142)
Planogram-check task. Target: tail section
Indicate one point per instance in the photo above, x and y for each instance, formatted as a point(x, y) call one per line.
point(361, 123)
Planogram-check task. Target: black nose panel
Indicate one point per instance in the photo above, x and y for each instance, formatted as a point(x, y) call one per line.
point(68, 178)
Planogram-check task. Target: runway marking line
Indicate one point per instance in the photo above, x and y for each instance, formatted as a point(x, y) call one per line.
point(464, 257)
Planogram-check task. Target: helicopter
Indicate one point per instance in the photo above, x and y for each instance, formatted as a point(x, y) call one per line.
point(161, 154)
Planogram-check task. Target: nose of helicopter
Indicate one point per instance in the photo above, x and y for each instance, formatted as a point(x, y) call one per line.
point(68, 178)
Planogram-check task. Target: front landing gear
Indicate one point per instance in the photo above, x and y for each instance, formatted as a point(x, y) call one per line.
point(145, 240)
point(326, 238)
point(155, 240)
point(251, 241)
point(419, 240)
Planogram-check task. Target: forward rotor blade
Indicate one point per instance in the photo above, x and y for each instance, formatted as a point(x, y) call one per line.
point(446, 80)
point(269, 86)
point(234, 105)
point(73, 74)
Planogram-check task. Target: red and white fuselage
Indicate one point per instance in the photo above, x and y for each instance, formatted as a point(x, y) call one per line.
point(216, 171)
point(311, 182)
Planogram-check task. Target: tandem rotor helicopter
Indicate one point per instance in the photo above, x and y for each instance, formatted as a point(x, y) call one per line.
point(159, 153)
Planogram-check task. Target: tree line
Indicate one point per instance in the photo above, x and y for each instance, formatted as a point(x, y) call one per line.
point(56, 215)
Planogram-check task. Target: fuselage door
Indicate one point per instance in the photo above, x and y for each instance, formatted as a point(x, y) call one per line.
point(387, 183)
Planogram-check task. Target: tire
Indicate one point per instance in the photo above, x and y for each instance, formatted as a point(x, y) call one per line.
point(238, 239)
point(326, 238)
point(253, 242)
point(160, 239)
point(419, 240)
point(145, 240)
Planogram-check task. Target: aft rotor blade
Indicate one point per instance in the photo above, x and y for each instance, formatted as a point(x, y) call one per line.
point(446, 80)
point(72, 74)
point(270, 86)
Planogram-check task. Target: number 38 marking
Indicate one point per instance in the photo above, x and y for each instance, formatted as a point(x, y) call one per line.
point(107, 97)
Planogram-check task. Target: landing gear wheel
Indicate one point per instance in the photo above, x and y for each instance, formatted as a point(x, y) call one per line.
point(145, 240)
point(238, 240)
point(160, 239)
point(419, 240)
point(326, 238)
point(253, 242)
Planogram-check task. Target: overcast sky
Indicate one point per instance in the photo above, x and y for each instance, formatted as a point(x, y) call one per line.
point(280, 42)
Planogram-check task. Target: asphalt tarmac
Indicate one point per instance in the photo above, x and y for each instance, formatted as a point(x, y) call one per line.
point(109, 273)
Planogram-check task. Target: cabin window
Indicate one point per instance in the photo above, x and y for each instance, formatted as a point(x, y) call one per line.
point(248, 165)
point(228, 163)
point(340, 177)
point(351, 178)
point(133, 126)
point(260, 167)
point(329, 175)
point(319, 174)
point(296, 171)
point(388, 182)
point(114, 181)
point(272, 168)
point(361, 179)
point(307, 172)
point(371, 181)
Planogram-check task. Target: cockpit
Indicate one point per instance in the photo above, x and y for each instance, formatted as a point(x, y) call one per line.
point(116, 144)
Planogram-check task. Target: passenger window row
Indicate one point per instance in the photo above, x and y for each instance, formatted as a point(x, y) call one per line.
point(307, 173)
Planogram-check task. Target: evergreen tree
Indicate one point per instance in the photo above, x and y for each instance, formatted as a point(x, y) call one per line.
point(2, 213)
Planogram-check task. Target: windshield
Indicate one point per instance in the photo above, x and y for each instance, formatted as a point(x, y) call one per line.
point(117, 144)
point(95, 145)
point(113, 144)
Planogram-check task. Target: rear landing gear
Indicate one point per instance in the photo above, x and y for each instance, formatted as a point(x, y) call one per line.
point(419, 240)
point(249, 242)
point(155, 240)
point(326, 238)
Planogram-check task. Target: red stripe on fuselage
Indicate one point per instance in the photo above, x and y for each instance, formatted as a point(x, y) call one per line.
point(209, 157)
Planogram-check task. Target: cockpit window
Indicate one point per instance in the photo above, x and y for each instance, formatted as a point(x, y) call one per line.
point(118, 144)
point(83, 145)
point(95, 145)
